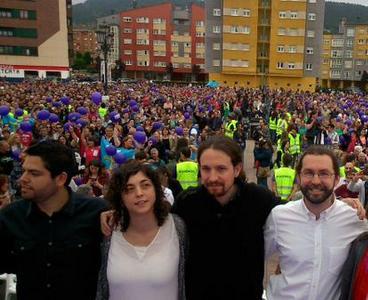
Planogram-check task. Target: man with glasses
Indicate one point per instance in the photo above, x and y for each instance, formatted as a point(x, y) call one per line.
point(312, 236)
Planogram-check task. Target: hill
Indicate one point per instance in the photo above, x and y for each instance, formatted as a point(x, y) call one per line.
point(87, 12)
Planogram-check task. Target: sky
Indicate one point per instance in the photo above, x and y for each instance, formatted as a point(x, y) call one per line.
point(363, 2)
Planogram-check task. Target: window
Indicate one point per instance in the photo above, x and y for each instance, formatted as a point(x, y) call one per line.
point(335, 73)
point(293, 15)
point(217, 12)
point(309, 50)
point(361, 42)
point(175, 65)
point(326, 61)
point(127, 41)
point(349, 54)
point(359, 62)
point(127, 19)
point(348, 64)
point(174, 44)
point(291, 65)
point(292, 49)
point(310, 33)
point(127, 30)
point(281, 49)
point(200, 55)
point(349, 43)
point(312, 1)
point(200, 34)
point(311, 16)
point(281, 31)
point(142, 20)
point(336, 53)
point(216, 46)
point(142, 31)
point(128, 52)
point(234, 12)
point(245, 12)
point(350, 32)
point(160, 64)
point(159, 53)
point(158, 21)
point(308, 67)
point(159, 43)
point(280, 65)
point(142, 42)
point(142, 52)
point(337, 43)
point(23, 14)
point(282, 15)
point(200, 23)
point(143, 63)
point(216, 29)
point(216, 63)
point(199, 45)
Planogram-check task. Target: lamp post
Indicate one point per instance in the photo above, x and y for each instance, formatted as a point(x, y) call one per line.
point(105, 40)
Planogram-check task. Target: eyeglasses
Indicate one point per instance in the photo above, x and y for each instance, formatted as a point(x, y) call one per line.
point(323, 175)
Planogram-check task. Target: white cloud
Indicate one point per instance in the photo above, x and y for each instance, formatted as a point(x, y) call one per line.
point(362, 2)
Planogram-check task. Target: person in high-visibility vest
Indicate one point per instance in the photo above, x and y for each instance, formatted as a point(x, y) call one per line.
point(284, 179)
point(231, 127)
point(186, 170)
point(281, 125)
point(102, 111)
point(272, 125)
point(295, 145)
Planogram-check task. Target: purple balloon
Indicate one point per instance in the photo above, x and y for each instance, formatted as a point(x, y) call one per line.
point(140, 137)
point(19, 112)
point(74, 116)
point(82, 110)
point(364, 118)
point(201, 109)
point(114, 116)
point(96, 98)
point(78, 181)
point(153, 140)
point(48, 99)
point(349, 122)
point(179, 131)
point(133, 103)
point(186, 115)
point(140, 128)
point(81, 122)
point(65, 100)
point(53, 118)
point(126, 110)
point(43, 115)
point(4, 110)
point(67, 126)
point(157, 126)
point(110, 150)
point(120, 158)
point(16, 154)
point(135, 108)
point(57, 104)
point(26, 126)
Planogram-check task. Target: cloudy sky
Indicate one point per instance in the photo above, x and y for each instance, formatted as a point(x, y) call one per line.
point(363, 2)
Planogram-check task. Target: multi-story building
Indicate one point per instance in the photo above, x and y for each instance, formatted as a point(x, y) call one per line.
point(345, 56)
point(264, 43)
point(162, 41)
point(35, 38)
point(84, 40)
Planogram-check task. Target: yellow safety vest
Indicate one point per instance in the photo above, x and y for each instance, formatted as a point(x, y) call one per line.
point(294, 144)
point(102, 112)
point(343, 174)
point(281, 126)
point(284, 178)
point(230, 128)
point(273, 124)
point(187, 174)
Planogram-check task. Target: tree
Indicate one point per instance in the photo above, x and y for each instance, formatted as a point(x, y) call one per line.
point(364, 80)
point(87, 58)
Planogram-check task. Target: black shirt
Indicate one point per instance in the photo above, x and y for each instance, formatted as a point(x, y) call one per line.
point(55, 257)
point(226, 247)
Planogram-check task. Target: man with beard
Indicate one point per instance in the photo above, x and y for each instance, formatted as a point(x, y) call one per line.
point(312, 236)
point(50, 239)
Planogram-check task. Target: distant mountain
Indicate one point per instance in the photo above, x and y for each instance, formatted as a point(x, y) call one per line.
point(87, 12)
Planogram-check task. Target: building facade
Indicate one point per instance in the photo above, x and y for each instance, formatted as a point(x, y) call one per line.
point(35, 39)
point(345, 56)
point(265, 43)
point(84, 40)
point(163, 42)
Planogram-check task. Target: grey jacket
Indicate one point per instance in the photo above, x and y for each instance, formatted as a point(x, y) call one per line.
point(357, 250)
point(103, 285)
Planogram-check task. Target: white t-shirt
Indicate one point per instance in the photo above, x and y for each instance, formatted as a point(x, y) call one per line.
point(151, 272)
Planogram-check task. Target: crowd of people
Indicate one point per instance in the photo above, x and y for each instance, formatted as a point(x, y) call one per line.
point(181, 220)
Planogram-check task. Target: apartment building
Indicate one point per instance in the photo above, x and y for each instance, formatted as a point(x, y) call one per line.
point(265, 43)
point(163, 42)
point(35, 39)
point(85, 40)
point(345, 56)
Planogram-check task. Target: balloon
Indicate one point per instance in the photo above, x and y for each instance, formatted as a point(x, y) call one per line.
point(110, 150)
point(65, 100)
point(120, 158)
point(133, 103)
point(201, 109)
point(26, 126)
point(53, 118)
point(48, 99)
point(135, 108)
point(78, 181)
point(350, 122)
point(186, 115)
point(140, 137)
point(157, 126)
point(74, 116)
point(96, 98)
point(19, 112)
point(4, 110)
point(153, 140)
point(43, 115)
point(81, 122)
point(114, 116)
point(56, 104)
point(140, 128)
point(67, 126)
point(364, 118)
point(125, 111)
point(179, 131)
point(82, 110)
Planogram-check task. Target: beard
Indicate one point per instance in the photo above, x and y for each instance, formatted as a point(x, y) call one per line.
point(322, 195)
point(216, 189)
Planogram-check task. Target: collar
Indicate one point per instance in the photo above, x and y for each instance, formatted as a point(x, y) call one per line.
point(68, 209)
point(326, 214)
